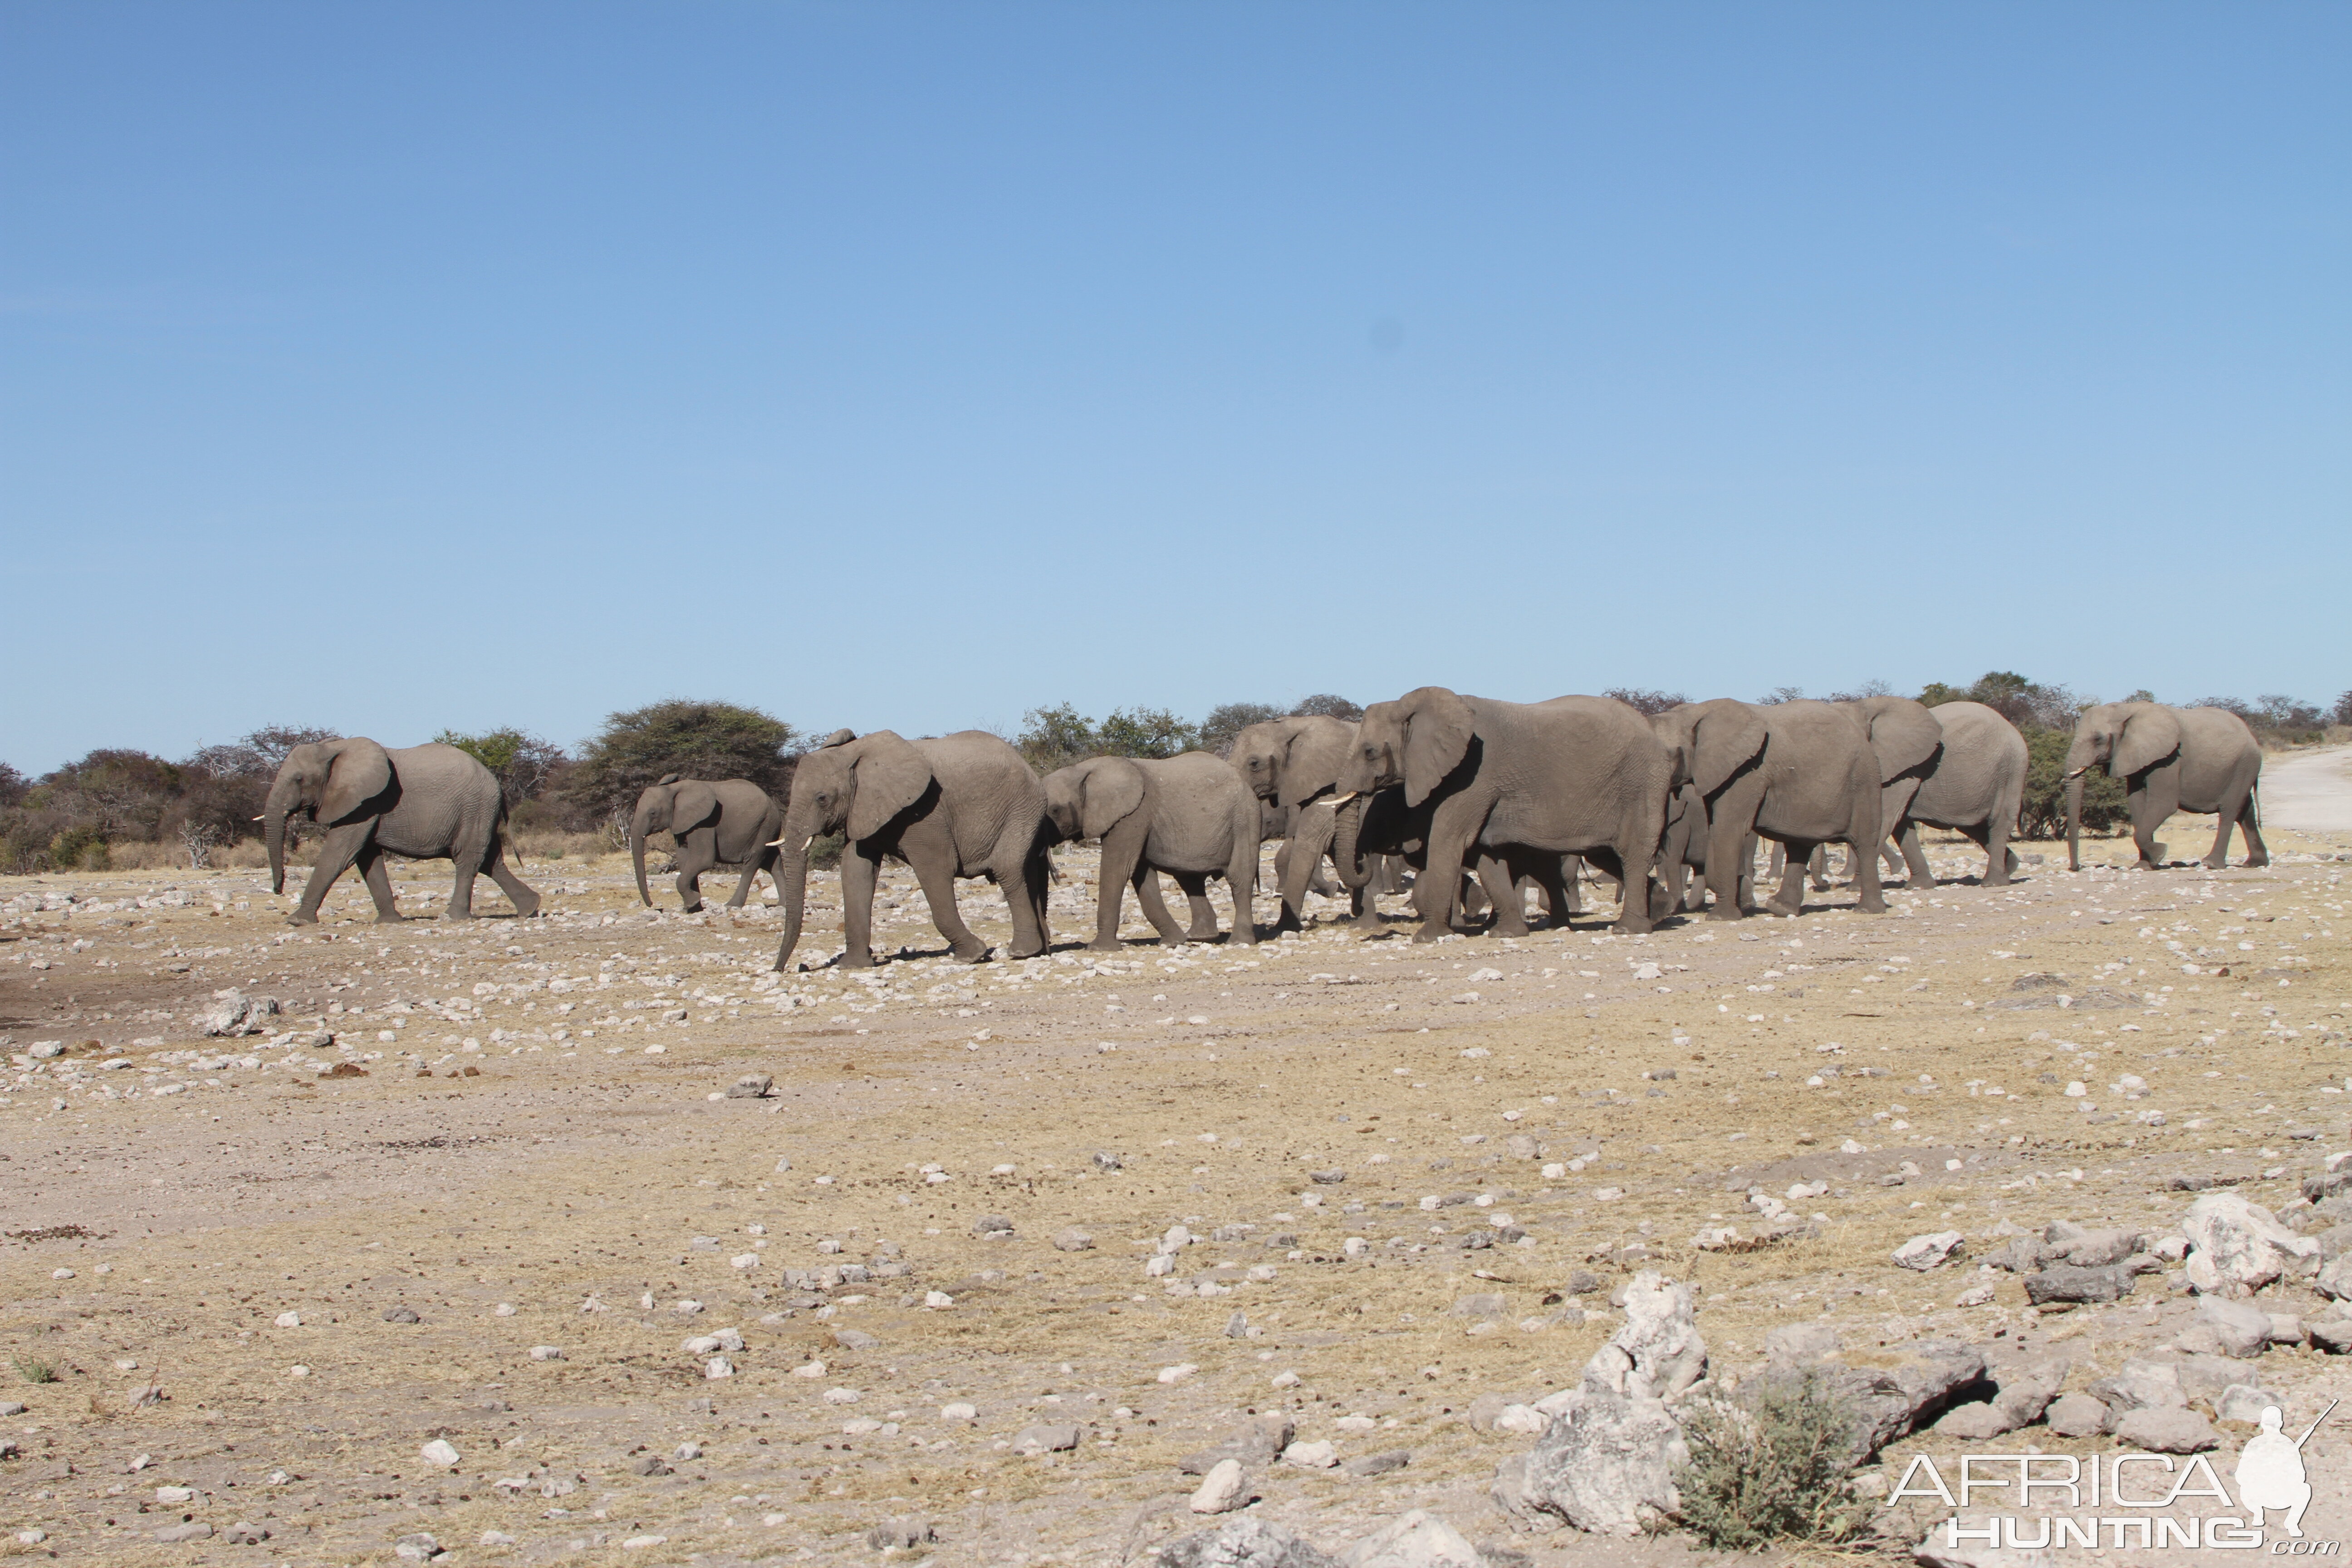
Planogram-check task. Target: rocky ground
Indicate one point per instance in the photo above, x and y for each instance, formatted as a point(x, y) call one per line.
point(470, 1239)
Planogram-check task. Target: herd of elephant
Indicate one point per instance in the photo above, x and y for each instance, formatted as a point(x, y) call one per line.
point(1485, 799)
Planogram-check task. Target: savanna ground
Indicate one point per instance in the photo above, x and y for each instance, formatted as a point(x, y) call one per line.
point(515, 1189)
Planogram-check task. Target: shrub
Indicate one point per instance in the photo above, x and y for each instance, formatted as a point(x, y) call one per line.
point(1055, 737)
point(34, 1370)
point(1773, 1469)
point(1326, 705)
point(1228, 720)
point(78, 849)
point(524, 765)
point(695, 739)
point(824, 851)
point(1645, 700)
point(2043, 813)
point(2024, 703)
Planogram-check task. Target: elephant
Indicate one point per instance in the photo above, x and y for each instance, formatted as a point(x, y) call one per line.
point(2170, 759)
point(732, 821)
point(1295, 764)
point(1533, 781)
point(964, 804)
point(1974, 786)
point(1800, 774)
point(1377, 829)
point(1686, 850)
point(1189, 815)
point(421, 803)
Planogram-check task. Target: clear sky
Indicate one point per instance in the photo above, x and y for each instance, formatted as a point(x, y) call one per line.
point(391, 367)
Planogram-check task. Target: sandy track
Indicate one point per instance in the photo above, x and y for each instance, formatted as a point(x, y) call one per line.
point(567, 1171)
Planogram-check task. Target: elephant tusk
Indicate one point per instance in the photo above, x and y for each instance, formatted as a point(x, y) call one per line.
point(263, 817)
point(2078, 772)
point(1335, 800)
point(777, 843)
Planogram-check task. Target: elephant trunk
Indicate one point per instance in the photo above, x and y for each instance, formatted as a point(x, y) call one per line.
point(639, 825)
point(273, 832)
point(792, 881)
point(2074, 823)
point(1346, 829)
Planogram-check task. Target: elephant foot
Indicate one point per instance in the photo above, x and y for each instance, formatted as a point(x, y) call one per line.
point(391, 918)
point(1631, 928)
point(972, 954)
point(1289, 922)
point(1873, 906)
point(1016, 952)
point(849, 960)
point(1106, 945)
point(1786, 911)
point(1720, 911)
point(694, 909)
point(1432, 932)
point(526, 912)
point(298, 919)
point(2254, 862)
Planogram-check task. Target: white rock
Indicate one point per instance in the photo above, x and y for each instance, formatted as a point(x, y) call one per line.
point(546, 1352)
point(2235, 1248)
point(1223, 1489)
point(1177, 1373)
point(289, 1320)
point(1925, 1252)
point(1524, 1418)
point(842, 1396)
point(1315, 1456)
point(438, 1453)
point(958, 1412)
point(1416, 1539)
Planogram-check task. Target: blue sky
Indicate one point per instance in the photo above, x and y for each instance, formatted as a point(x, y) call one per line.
point(911, 365)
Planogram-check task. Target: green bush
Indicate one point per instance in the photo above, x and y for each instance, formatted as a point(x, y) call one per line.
point(824, 851)
point(1771, 1470)
point(2043, 813)
point(693, 740)
point(80, 849)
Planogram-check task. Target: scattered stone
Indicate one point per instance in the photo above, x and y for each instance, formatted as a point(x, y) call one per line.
point(233, 1012)
point(649, 1465)
point(1923, 1252)
point(1485, 1304)
point(1106, 1161)
point(2244, 1402)
point(440, 1453)
point(2241, 1328)
point(1319, 1455)
point(1416, 1539)
point(1253, 1445)
point(1889, 1402)
point(1372, 1464)
point(2078, 1415)
point(2235, 1248)
point(401, 1315)
point(2173, 1431)
point(992, 1225)
point(2334, 1336)
point(1223, 1490)
point(1244, 1542)
point(1046, 1437)
point(855, 1339)
point(417, 1547)
point(1799, 1344)
point(1072, 1240)
point(751, 1086)
point(194, 1530)
point(2142, 1385)
point(2094, 1249)
point(1606, 1460)
point(2066, 1284)
point(901, 1534)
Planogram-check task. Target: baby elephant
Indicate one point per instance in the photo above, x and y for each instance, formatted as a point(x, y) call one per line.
point(1192, 816)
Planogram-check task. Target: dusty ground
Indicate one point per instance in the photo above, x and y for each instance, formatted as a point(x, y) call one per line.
point(532, 1157)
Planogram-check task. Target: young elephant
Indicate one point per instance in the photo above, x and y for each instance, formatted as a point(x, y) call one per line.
point(1189, 815)
point(420, 802)
point(2170, 759)
point(731, 822)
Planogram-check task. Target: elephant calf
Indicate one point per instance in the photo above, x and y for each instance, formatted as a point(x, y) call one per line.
point(732, 821)
point(1191, 816)
point(2170, 759)
point(420, 802)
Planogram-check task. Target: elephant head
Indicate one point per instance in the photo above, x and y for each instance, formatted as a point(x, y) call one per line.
point(1290, 761)
point(1375, 824)
point(1710, 743)
point(1086, 800)
point(327, 782)
point(2127, 738)
point(850, 786)
point(675, 806)
point(1415, 741)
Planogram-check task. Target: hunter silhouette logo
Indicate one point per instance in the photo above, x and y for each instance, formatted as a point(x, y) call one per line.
point(2271, 1473)
point(2125, 1500)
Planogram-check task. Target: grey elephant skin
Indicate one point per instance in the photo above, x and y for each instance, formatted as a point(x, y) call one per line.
point(1294, 765)
point(420, 802)
point(1377, 829)
point(958, 805)
point(733, 821)
point(2170, 759)
point(1582, 775)
point(1190, 815)
point(1800, 774)
point(1976, 788)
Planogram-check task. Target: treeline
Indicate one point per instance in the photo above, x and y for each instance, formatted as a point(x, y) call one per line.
point(119, 806)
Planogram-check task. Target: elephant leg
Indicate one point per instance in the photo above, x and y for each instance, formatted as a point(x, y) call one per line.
point(1121, 864)
point(341, 846)
point(934, 873)
point(1556, 878)
point(1364, 906)
point(1571, 879)
point(2223, 821)
point(525, 901)
point(1817, 867)
point(1731, 850)
point(1640, 901)
point(750, 876)
point(1502, 891)
point(2248, 820)
point(1923, 876)
point(1779, 859)
point(861, 868)
point(1289, 918)
point(1791, 898)
point(2157, 799)
point(467, 864)
point(1155, 908)
point(1241, 881)
point(379, 885)
point(1196, 892)
point(695, 856)
point(1862, 850)
point(1453, 828)
point(1038, 867)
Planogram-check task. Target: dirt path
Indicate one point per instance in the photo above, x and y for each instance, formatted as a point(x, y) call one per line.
point(2310, 792)
point(1413, 1175)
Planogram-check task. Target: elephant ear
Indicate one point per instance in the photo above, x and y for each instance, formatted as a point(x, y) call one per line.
point(1438, 724)
point(1674, 730)
point(1298, 785)
point(1727, 736)
point(694, 803)
point(1111, 789)
point(889, 776)
point(360, 770)
point(1903, 734)
point(666, 779)
point(2149, 736)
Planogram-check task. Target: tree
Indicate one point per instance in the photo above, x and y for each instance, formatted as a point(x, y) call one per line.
point(1055, 737)
point(1645, 700)
point(693, 739)
point(1325, 705)
point(1143, 732)
point(523, 763)
point(1780, 694)
point(14, 785)
point(1228, 720)
point(2343, 714)
point(1868, 688)
point(2024, 703)
point(271, 742)
point(2043, 813)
